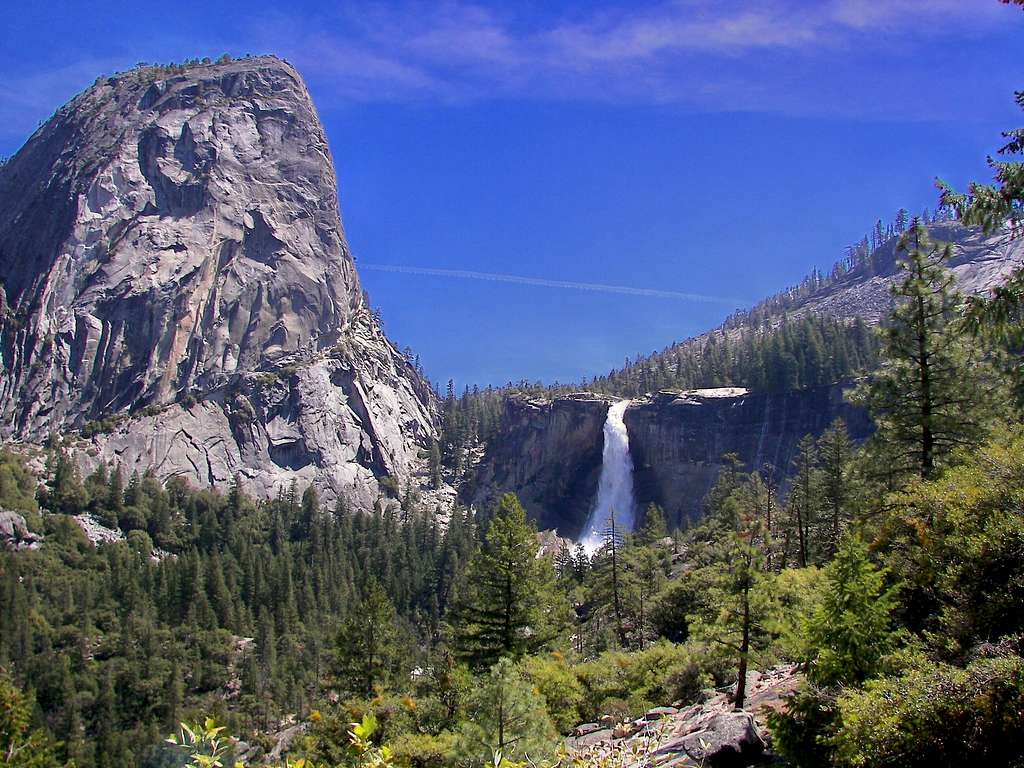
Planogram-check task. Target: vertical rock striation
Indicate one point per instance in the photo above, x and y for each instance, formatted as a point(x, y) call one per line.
point(548, 452)
point(173, 267)
point(678, 439)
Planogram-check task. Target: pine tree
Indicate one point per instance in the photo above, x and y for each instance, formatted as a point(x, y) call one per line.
point(108, 752)
point(114, 499)
point(610, 558)
point(510, 606)
point(507, 720)
point(835, 455)
point(734, 568)
point(802, 503)
point(852, 629)
point(925, 399)
point(370, 647)
point(999, 317)
point(435, 464)
point(991, 205)
point(654, 528)
point(645, 572)
point(65, 492)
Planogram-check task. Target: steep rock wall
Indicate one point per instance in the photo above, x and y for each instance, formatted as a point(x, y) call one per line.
point(548, 452)
point(172, 257)
point(677, 439)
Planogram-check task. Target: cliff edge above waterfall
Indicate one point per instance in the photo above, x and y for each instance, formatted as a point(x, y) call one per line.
point(550, 450)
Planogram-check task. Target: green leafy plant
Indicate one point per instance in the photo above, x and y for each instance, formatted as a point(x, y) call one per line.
point(203, 742)
point(366, 753)
point(21, 746)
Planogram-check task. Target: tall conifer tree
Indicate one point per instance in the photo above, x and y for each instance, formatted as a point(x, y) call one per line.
point(925, 399)
point(510, 606)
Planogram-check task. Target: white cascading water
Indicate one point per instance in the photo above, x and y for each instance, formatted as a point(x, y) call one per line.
point(615, 488)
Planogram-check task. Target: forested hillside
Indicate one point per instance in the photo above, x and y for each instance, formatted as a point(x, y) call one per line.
point(891, 574)
point(872, 617)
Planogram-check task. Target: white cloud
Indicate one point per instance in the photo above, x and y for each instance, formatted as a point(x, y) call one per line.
point(772, 55)
point(924, 16)
point(31, 98)
point(692, 52)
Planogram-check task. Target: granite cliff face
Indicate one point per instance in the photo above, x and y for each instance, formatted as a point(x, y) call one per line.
point(677, 439)
point(549, 451)
point(549, 454)
point(172, 261)
point(978, 262)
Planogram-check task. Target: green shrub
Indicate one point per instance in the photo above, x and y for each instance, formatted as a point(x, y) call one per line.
point(390, 486)
point(803, 734)
point(102, 426)
point(659, 674)
point(18, 488)
point(670, 607)
point(561, 689)
point(797, 594)
point(422, 750)
point(936, 715)
point(21, 744)
point(619, 710)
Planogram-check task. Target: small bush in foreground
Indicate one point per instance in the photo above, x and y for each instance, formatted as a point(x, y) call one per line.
point(937, 715)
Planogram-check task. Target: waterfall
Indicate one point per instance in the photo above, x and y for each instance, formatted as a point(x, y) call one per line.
point(615, 488)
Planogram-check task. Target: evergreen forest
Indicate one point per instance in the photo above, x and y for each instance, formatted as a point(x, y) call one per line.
point(888, 579)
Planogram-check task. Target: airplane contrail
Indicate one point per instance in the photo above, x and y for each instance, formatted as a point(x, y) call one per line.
point(497, 277)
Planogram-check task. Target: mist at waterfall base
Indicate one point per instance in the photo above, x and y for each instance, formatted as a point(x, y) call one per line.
point(615, 487)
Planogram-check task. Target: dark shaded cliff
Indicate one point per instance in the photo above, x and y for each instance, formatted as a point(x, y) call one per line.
point(548, 452)
point(677, 439)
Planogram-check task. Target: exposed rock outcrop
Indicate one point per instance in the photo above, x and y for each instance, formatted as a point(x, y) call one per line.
point(978, 263)
point(15, 534)
point(96, 532)
point(549, 451)
point(709, 733)
point(174, 271)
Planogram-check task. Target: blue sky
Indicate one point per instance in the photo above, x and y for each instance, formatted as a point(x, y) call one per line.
point(699, 154)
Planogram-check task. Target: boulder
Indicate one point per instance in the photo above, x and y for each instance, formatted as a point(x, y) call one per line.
point(15, 534)
point(586, 729)
point(657, 713)
point(725, 740)
point(285, 739)
point(590, 739)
